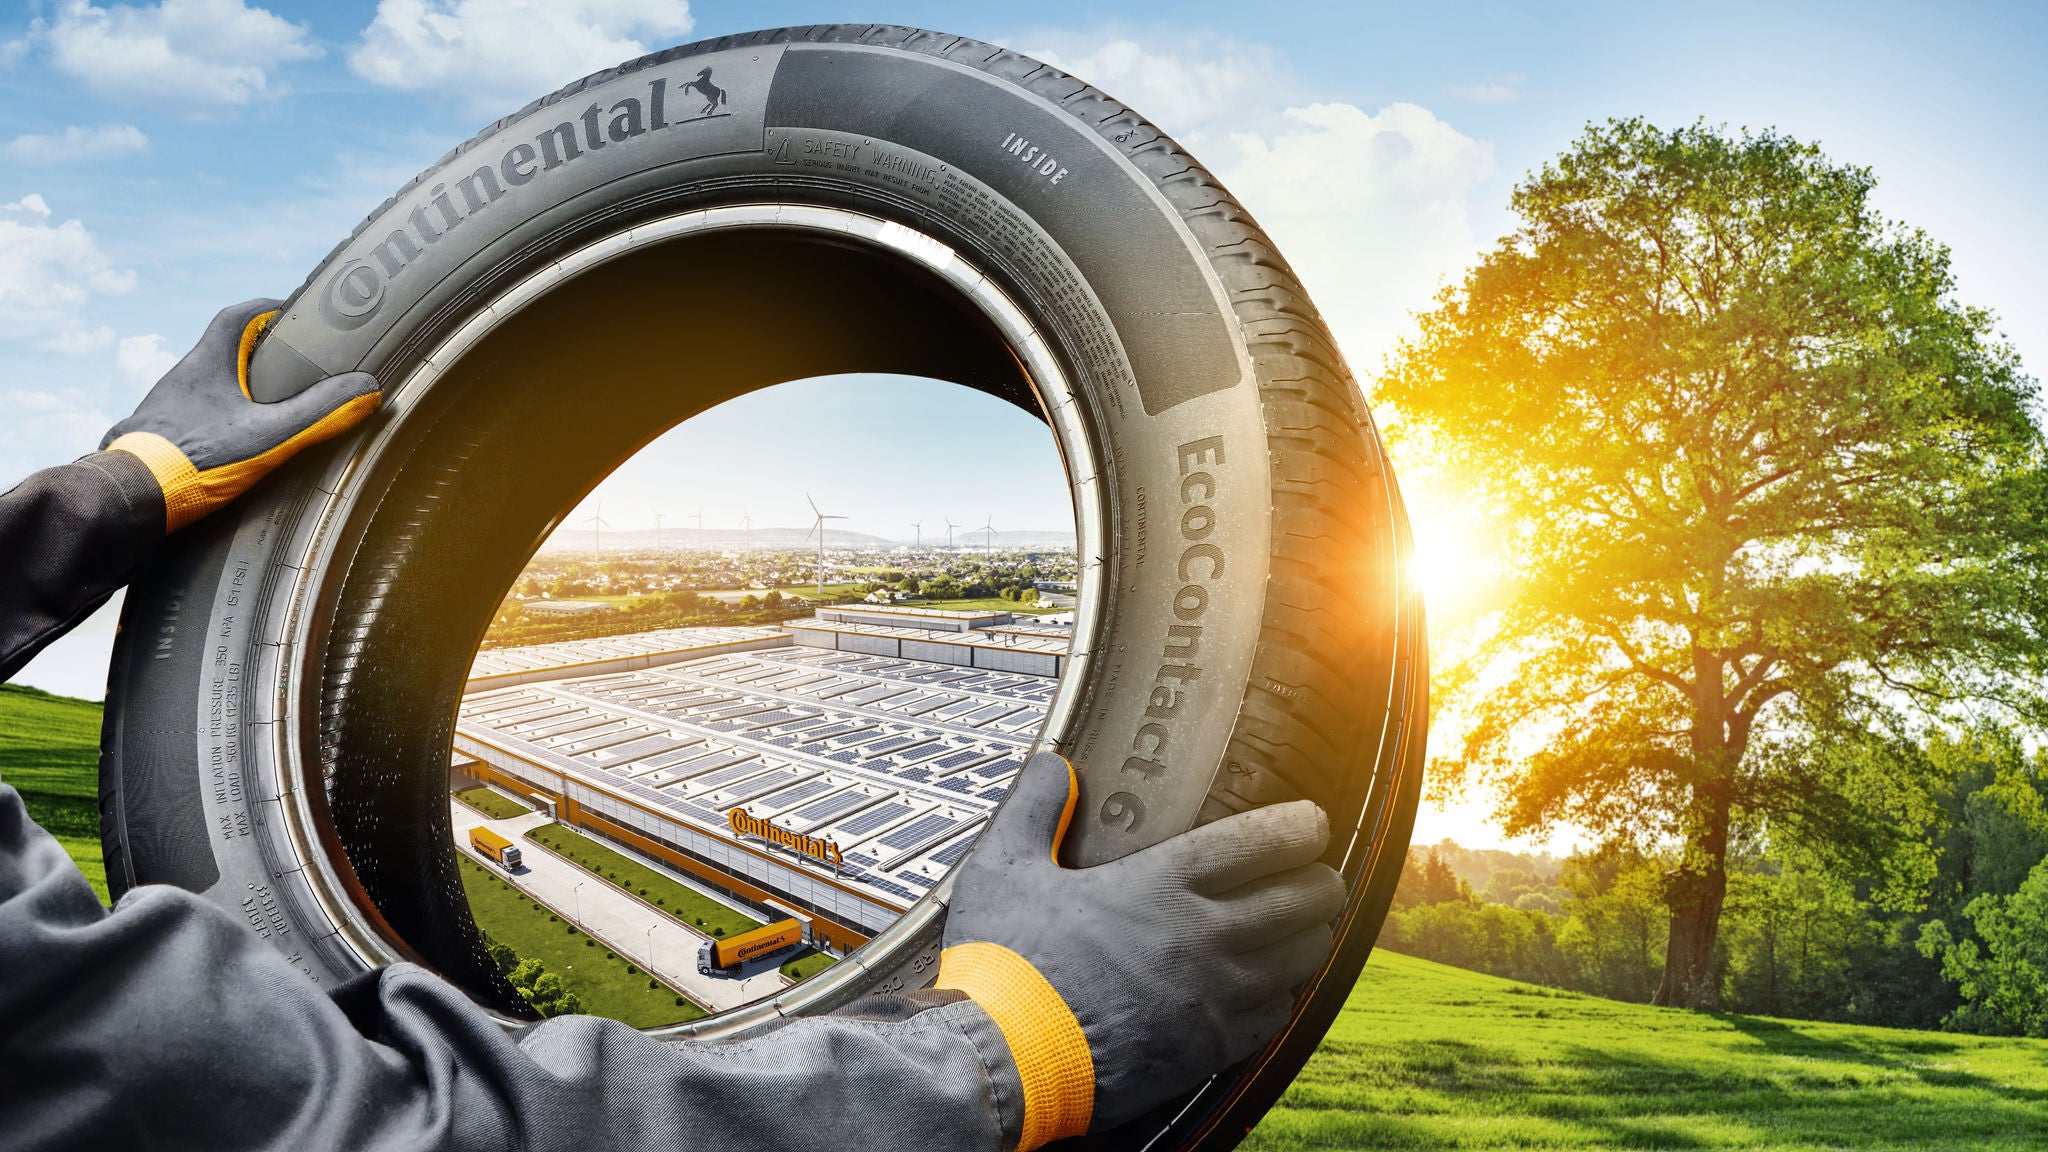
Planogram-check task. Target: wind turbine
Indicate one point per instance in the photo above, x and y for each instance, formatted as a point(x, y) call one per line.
point(657, 530)
point(990, 527)
point(949, 533)
point(818, 526)
point(597, 524)
point(700, 527)
point(918, 527)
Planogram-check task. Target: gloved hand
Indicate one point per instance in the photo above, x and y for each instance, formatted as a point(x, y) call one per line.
point(1123, 985)
point(206, 441)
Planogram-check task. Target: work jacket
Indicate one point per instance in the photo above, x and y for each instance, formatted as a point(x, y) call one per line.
point(166, 1022)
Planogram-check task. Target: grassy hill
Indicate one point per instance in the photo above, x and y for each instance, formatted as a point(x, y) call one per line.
point(1430, 1057)
point(1426, 1056)
point(50, 753)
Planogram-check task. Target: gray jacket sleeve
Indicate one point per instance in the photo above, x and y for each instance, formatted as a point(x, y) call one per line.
point(165, 1023)
point(70, 536)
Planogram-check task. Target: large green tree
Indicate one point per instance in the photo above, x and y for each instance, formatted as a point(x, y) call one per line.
point(1768, 496)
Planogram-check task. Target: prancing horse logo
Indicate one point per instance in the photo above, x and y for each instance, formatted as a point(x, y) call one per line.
point(714, 96)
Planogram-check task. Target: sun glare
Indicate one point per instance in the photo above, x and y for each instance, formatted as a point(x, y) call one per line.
point(1450, 565)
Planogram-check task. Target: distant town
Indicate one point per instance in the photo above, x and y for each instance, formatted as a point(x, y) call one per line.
point(627, 584)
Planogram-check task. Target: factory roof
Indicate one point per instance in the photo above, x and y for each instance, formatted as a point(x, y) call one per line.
point(501, 667)
point(895, 762)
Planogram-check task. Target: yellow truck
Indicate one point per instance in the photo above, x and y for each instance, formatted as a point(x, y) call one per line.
point(716, 956)
point(501, 851)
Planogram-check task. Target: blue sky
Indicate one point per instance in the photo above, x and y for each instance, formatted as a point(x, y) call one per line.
point(160, 160)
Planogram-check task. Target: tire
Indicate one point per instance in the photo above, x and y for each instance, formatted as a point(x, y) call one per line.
point(825, 200)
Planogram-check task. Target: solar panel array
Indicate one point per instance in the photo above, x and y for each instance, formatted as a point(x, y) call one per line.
point(498, 661)
point(897, 762)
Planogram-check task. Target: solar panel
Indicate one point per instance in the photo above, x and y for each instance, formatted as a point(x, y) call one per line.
point(690, 751)
point(833, 805)
point(889, 886)
point(872, 819)
point(950, 855)
point(797, 794)
point(839, 729)
point(874, 693)
point(643, 747)
point(728, 775)
point(917, 830)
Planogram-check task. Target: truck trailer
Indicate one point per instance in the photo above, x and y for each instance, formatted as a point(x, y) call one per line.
point(723, 956)
point(501, 851)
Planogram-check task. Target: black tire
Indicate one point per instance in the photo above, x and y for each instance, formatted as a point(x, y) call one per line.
point(284, 686)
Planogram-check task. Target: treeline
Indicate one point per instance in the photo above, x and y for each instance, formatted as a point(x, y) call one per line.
point(531, 979)
point(1951, 931)
point(514, 628)
point(963, 582)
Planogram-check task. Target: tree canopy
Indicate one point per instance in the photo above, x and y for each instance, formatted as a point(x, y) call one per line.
point(1770, 497)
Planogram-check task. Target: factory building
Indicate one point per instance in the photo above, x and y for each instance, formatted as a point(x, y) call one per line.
point(838, 766)
point(504, 667)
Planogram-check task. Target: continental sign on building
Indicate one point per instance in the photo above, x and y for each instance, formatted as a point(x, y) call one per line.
point(744, 823)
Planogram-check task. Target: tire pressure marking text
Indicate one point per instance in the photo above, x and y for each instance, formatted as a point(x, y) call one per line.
point(260, 906)
point(1200, 564)
point(1034, 158)
point(223, 728)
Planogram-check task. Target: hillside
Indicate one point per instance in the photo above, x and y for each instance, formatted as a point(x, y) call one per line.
point(1426, 1056)
point(50, 753)
point(1430, 1057)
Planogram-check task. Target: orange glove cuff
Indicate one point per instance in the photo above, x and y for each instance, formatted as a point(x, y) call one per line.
point(1045, 1040)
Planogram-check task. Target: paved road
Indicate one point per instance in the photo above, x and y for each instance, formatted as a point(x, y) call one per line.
point(618, 921)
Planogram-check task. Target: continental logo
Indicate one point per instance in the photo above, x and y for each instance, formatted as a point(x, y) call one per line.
point(745, 823)
point(783, 936)
point(356, 290)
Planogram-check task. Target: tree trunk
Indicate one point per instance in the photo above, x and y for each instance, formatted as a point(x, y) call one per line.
point(1695, 891)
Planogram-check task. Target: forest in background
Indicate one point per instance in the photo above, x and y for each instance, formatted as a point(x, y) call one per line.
point(1952, 932)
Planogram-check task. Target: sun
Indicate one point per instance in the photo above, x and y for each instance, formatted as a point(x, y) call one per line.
point(1453, 565)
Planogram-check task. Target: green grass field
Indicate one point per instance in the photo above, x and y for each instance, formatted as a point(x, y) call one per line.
point(614, 986)
point(807, 964)
point(1422, 1057)
point(985, 604)
point(50, 753)
point(1425, 1056)
point(496, 805)
point(849, 588)
point(678, 900)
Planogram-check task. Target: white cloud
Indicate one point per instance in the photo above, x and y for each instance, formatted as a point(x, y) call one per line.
point(143, 359)
point(496, 53)
point(186, 51)
point(1499, 90)
point(48, 274)
point(1372, 210)
point(75, 144)
point(79, 341)
point(45, 427)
